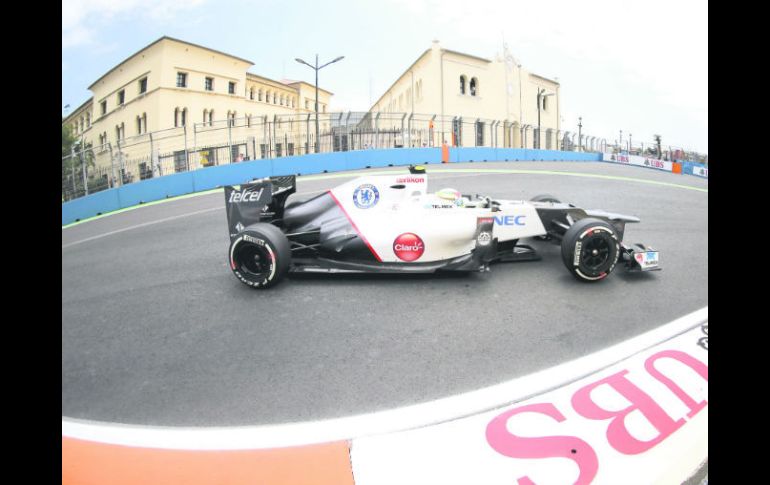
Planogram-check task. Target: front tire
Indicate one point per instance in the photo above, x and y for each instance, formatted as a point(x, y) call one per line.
point(590, 249)
point(260, 255)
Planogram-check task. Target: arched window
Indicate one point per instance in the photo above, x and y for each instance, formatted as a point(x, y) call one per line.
point(280, 100)
point(205, 115)
point(275, 98)
point(211, 117)
point(176, 117)
point(184, 117)
point(139, 123)
point(251, 94)
point(474, 87)
point(462, 84)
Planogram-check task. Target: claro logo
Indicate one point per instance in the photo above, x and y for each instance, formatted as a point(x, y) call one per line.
point(408, 247)
point(236, 197)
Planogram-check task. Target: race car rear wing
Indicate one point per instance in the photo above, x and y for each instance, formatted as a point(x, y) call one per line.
point(261, 200)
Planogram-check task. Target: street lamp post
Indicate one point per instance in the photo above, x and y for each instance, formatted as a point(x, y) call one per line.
point(580, 133)
point(540, 95)
point(317, 68)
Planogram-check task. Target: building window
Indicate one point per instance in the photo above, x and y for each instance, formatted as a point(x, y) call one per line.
point(184, 117)
point(141, 124)
point(307, 103)
point(104, 107)
point(181, 79)
point(82, 123)
point(251, 94)
point(275, 98)
point(280, 100)
point(121, 97)
point(211, 117)
point(544, 103)
point(324, 108)
point(143, 85)
point(88, 120)
point(474, 87)
point(462, 84)
point(248, 121)
point(120, 131)
point(231, 87)
point(259, 98)
point(231, 118)
point(209, 84)
point(267, 96)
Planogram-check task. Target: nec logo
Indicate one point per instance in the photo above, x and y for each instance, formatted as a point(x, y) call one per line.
point(510, 220)
point(236, 197)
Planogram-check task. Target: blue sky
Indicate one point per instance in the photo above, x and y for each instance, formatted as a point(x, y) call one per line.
point(640, 67)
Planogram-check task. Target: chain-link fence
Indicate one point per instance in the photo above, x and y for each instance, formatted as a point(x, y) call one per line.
point(233, 140)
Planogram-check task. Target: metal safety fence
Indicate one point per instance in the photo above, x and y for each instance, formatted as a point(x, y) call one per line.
point(88, 169)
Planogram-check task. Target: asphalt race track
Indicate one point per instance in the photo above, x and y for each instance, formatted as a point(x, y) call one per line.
point(157, 331)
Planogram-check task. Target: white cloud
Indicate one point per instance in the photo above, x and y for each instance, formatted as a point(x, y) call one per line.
point(80, 18)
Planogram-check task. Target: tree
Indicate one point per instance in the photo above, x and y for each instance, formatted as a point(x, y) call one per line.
point(67, 140)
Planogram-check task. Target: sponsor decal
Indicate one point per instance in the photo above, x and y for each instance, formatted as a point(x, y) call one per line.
point(410, 180)
point(704, 341)
point(253, 239)
point(578, 247)
point(510, 220)
point(245, 196)
point(366, 196)
point(484, 238)
point(590, 404)
point(239, 227)
point(408, 247)
point(439, 206)
point(651, 162)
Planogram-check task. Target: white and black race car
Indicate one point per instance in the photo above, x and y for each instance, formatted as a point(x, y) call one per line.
point(391, 224)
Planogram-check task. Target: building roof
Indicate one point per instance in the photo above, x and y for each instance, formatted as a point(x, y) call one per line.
point(544, 78)
point(76, 111)
point(292, 82)
point(165, 37)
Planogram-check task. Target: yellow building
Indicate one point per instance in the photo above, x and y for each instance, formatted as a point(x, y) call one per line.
point(173, 96)
point(496, 97)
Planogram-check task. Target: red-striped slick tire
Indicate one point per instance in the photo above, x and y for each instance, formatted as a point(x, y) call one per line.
point(260, 255)
point(590, 249)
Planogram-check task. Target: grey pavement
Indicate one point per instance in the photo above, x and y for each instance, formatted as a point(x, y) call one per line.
point(157, 331)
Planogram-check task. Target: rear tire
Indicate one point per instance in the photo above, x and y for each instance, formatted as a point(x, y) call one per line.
point(590, 249)
point(545, 198)
point(260, 255)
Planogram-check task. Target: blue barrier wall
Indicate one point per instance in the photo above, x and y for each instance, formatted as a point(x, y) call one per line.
point(238, 173)
point(687, 167)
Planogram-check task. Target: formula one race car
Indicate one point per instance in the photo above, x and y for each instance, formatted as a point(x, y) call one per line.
point(390, 223)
